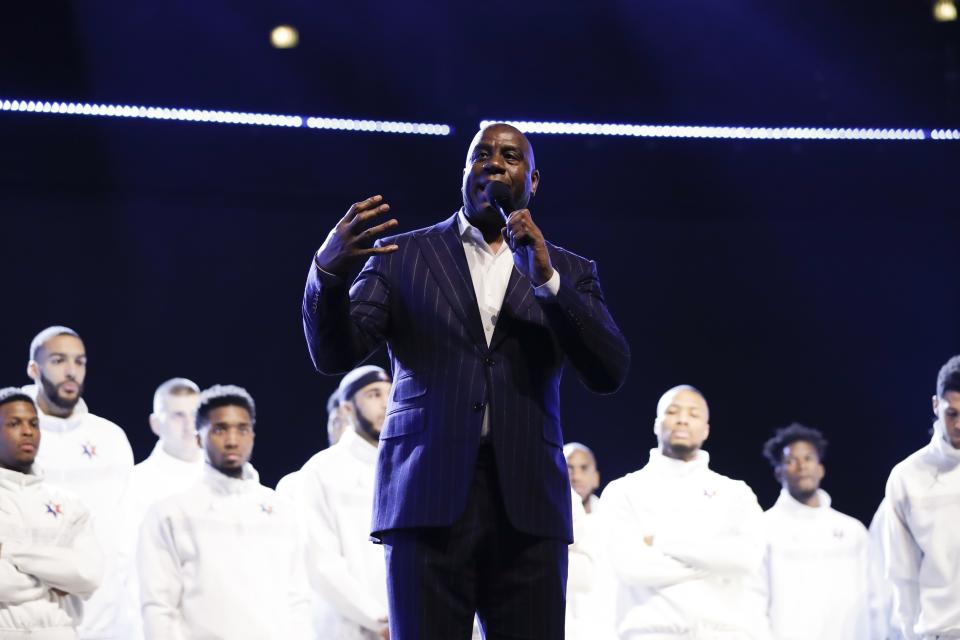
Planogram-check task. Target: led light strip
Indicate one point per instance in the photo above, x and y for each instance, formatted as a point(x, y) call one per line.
point(726, 133)
point(221, 117)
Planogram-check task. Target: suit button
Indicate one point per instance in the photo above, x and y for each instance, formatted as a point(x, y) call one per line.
point(488, 361)
point(478, 406)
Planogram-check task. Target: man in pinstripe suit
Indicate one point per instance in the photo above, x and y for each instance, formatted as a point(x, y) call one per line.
point(479, 314)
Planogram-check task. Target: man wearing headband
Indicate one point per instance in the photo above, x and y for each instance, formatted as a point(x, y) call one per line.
point(224, 559)
point(345, 569)
point(49, 557)
point(920, 526)
point(584, 476)
point(684, 541)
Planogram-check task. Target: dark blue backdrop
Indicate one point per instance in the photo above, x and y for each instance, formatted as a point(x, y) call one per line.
point(803, 281)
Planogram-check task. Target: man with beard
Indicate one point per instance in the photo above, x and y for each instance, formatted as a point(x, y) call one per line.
point(224, 559)
point(49, 559)
point(345, 569)
point(683, 540)
point(920, 525)
point(175, 464)
point(480, 314)
point(85, 454)
point(816, 571)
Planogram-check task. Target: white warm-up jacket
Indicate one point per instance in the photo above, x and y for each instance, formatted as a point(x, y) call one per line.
point(159, 476)
point(345, 568)
point(707, 544)
point(922, 540)
point(223, 560)
point(49, 558)
point(91, 457)
point(816, 572)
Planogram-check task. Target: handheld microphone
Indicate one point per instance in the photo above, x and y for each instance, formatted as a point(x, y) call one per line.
point(498, 195)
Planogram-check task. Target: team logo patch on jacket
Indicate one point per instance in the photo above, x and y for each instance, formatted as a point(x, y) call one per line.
point(54, 509)
point(266, 508)
point(89, 449)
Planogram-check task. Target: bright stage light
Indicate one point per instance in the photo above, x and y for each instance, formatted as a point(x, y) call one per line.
point(944, 11)
point(715, 133)
point(284, 37)
point(222, 117)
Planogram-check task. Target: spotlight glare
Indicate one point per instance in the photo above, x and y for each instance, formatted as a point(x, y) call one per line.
point(284, 37)
point(944, 11)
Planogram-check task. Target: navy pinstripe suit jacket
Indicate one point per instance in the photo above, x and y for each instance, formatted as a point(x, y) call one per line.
point(420, 300)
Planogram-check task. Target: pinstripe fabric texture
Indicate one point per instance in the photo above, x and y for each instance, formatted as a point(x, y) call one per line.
point(420, 300)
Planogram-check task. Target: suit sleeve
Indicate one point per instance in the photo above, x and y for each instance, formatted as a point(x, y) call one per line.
point(585, 329)
point(74, 564)
point(343, 327)
point(634, 563)
point(161, 583)
point(902, 554)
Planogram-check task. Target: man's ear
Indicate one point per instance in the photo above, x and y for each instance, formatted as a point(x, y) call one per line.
point(534, 182)
point(33, 370)
point(155, 424)
point(936, 406)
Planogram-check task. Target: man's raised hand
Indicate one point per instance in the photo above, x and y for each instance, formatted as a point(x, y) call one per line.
point(351, 242)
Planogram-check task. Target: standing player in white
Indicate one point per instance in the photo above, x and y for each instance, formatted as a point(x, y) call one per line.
point(85, 454)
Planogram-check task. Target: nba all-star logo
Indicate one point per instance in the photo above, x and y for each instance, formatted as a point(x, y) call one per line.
point(54, 509)
point(89, 449)
point(266, 508)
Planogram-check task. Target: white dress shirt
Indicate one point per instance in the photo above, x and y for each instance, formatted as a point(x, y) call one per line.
point(91, 457)
point(816, 572)
point(49, 558)
point(692, 582)
point(921, 542)
point(490, 272)
point(223, 561)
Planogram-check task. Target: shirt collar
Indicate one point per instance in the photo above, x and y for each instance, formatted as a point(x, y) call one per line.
point(942, 446)
point(790, 504)
point(56, 423)
point(224, 484)
point(160, 455)
point(358, 447)
point(680, 467)
point(469, 233)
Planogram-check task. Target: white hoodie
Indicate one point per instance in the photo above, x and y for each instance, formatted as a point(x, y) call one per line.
point(816, 572)
point(46, 547)
point(921, 544)
point(160, 476)
point(707, 542)
point(91, 457)
point(223, 560)
point(345, 568)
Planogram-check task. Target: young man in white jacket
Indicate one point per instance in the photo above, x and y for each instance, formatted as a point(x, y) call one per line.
point(920, 527)
point(49, 558)
point(816, 570)
point(346, 569)
point(683, 540)
point(85, 454)
point(224, 560)
point(174, 465)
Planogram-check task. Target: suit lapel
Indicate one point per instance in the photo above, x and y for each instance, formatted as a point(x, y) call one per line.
point(444, 254)
point(519, 295)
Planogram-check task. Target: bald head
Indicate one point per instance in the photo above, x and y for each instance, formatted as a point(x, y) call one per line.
point(683, 422)
point(498, 153)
